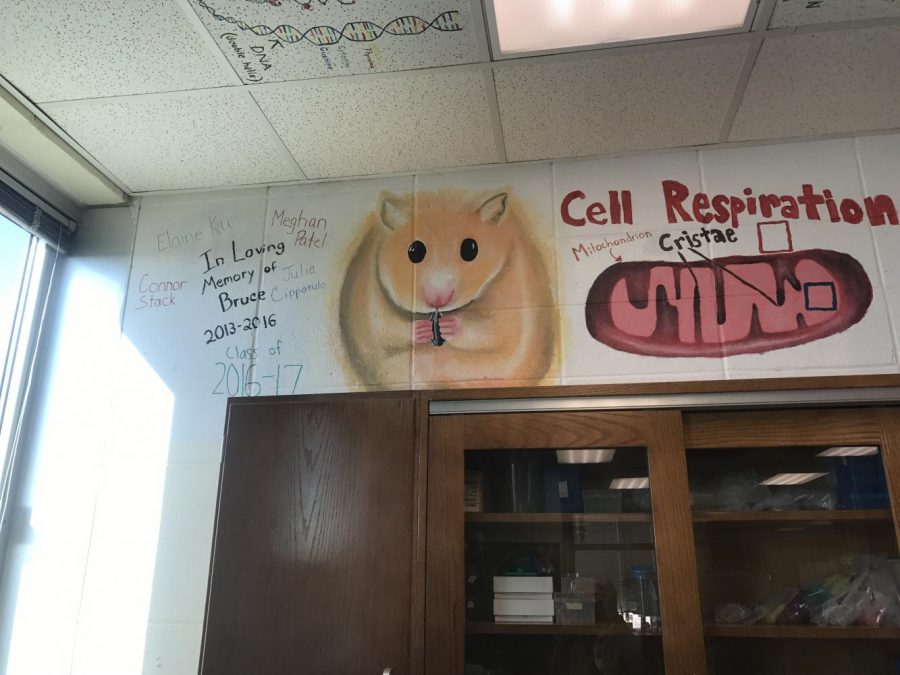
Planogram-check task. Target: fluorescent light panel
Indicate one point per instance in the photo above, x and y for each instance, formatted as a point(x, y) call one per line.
point(548, 25)
point(792, 478)
point(850, 451)
point(598, 456)
point(630, 483)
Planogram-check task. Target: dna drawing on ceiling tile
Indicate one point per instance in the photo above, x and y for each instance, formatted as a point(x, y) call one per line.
point(283, 40)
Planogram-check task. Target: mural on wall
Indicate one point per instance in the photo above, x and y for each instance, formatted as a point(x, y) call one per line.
point(737, 263)
point(435, 271)
point(281, 40)
point(707, 307)
point(747, 263)
point(733, 305)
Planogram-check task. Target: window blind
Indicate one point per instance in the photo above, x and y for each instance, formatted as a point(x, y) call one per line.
point(17, 202)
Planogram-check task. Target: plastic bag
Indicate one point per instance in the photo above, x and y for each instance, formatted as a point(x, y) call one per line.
point(771, 609)
point(797, 611)
point(730, 492)
point(820, 501)
point(883, 607)
point(870, 599)
point(794, 499)
point(859, 590)
point(734, 612)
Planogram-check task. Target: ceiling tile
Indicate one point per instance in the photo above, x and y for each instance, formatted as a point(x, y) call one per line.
point(85, 49)
point(282, 40)
point(178, 141)
point(383, 123)
point(617, 102)
point(823, 83)
point(801, 12)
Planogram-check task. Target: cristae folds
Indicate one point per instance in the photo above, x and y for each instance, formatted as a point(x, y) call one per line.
point(727, 306)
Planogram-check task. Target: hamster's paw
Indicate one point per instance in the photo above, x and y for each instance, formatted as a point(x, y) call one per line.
point(422, 331)
point(450, 325)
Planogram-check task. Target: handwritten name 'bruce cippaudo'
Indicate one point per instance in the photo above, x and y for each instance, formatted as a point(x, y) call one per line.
point(701, 207)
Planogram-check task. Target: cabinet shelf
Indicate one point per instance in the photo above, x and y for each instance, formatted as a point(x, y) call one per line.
point(490, 628)
point(555, 518)
point(699, 517)
point(809, 632)
point(789, 516)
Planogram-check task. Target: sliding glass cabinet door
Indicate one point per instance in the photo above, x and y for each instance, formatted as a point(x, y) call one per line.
point(796, 540)
point(729, 543)
point(548, 552)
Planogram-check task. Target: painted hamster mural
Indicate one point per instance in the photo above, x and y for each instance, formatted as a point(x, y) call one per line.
point(452, 285)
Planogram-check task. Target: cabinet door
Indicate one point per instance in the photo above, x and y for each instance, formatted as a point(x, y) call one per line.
point(560, 543)
point(314, 547)
point(796, 540)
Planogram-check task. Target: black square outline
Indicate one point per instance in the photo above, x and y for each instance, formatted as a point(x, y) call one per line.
point(811, 284)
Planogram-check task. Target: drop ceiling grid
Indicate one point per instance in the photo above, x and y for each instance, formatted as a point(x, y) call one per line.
point(804, 12)
point(94, 48)
point(179, 141)
point(823, 83)
point(619, 102)
point(384, 123)
point(679, 100)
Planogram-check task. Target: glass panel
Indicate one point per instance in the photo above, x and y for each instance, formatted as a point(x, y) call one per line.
point(560, 564)
point(797, 560)
point(21, 267)
point(13, 256)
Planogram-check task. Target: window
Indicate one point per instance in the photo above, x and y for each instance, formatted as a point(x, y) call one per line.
point(26, 264)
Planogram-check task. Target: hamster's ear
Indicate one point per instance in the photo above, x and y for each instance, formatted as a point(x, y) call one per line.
point(494, 209)
point(393, 211)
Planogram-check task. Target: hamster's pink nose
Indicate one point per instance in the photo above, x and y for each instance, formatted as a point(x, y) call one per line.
point(438, 299)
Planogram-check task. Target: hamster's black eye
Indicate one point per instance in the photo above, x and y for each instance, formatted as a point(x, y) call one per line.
point(416, 251)
point(469, 250)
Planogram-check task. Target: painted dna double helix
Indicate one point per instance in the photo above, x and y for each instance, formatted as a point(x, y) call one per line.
point(355, 31)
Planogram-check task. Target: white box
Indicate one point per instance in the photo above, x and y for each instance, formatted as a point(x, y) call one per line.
point(539, 618)
point(523, 596)
point(523, 607)
point(523, 584)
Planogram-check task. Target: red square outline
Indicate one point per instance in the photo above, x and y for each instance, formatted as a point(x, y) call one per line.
point(787, 228)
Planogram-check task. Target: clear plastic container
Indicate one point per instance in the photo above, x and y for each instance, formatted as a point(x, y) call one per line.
point(578, 583)
point(640, 601)
point(574, 608)
point(602, 501)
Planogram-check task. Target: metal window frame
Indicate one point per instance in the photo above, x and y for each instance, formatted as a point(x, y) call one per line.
point(15, 404)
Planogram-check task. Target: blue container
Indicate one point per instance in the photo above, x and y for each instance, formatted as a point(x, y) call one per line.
point(562, 489)
point(861, 483)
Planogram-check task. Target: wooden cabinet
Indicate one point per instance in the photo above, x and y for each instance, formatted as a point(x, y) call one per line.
point(344, 542)
point(315, 543)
